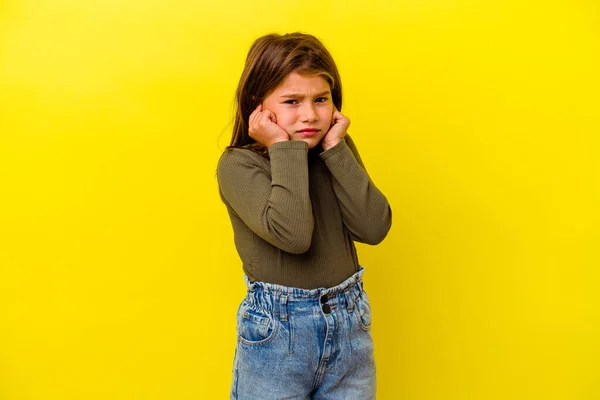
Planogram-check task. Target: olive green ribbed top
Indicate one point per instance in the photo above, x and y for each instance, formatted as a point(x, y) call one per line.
point(296, 214)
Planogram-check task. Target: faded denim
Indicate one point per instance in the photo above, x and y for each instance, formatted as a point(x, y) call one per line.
point(295, 343)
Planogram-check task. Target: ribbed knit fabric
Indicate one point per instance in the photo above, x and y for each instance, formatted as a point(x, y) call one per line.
point(296, 214)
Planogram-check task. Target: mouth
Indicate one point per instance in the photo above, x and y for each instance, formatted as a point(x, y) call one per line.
point(309, 132)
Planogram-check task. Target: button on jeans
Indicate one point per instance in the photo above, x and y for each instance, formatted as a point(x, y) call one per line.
point(295, 343)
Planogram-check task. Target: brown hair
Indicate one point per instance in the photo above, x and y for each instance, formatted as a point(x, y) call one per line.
point(270, 59)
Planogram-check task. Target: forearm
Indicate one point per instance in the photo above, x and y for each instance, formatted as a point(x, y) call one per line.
point(365, 210)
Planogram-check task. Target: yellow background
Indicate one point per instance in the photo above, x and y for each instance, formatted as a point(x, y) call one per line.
point(478, 120)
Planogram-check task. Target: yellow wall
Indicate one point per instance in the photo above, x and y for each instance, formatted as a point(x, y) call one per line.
point(479, 121)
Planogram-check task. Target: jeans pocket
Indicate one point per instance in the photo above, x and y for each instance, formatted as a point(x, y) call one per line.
point(256, 326)
point(363, 311)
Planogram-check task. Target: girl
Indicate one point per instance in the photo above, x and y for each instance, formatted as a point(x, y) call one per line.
point(299, 196)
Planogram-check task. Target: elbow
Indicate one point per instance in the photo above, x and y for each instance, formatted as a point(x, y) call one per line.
point(299, 245)
point(297, 242)
point(376, 237)
point(379, 231)
point(296, 249)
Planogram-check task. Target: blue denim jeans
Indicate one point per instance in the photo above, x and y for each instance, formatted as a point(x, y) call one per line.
point(295, 343)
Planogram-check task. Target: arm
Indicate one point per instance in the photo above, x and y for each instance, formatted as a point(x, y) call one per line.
point(365, 210)
point(277, 209)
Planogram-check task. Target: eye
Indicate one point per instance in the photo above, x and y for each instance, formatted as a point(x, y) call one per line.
point(321, 99)
point(290, 102)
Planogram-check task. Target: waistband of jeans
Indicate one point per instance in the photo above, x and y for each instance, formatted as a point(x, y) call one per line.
point(306, 294)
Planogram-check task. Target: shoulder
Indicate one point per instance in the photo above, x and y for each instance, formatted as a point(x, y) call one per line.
point(352, 146)
point(349, 140)
point(236, 158)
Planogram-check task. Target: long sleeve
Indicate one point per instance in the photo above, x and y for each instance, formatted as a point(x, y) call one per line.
point(275, 206)
point(366, 212)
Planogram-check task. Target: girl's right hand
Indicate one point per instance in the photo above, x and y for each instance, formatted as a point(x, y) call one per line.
point(263, 128)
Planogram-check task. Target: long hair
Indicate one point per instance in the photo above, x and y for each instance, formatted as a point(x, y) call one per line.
point(270, 59)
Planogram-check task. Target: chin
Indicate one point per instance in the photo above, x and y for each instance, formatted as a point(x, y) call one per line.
point(312, 141)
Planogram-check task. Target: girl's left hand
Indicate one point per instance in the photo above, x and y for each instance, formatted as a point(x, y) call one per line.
point(339, 126)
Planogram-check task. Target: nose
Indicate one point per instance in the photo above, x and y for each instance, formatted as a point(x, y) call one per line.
point(309, 113)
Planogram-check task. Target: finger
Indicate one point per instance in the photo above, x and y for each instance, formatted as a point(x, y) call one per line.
point(252, 118)
point(335, 117)
point(255, 114)
point(270, 116)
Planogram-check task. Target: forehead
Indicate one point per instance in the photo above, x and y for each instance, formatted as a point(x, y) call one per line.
point(296, 83)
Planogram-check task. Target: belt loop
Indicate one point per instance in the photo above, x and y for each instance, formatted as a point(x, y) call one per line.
point(349, 300)
point(283, 307)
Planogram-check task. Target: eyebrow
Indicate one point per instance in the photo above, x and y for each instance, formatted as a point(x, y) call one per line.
point(298, 95)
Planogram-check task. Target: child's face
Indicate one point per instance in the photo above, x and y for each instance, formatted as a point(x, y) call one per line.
point(302, 102)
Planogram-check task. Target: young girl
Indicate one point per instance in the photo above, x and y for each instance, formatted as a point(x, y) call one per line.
point(299, 196)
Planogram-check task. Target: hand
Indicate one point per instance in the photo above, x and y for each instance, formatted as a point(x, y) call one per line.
point(263, 128)
point(339, 126)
